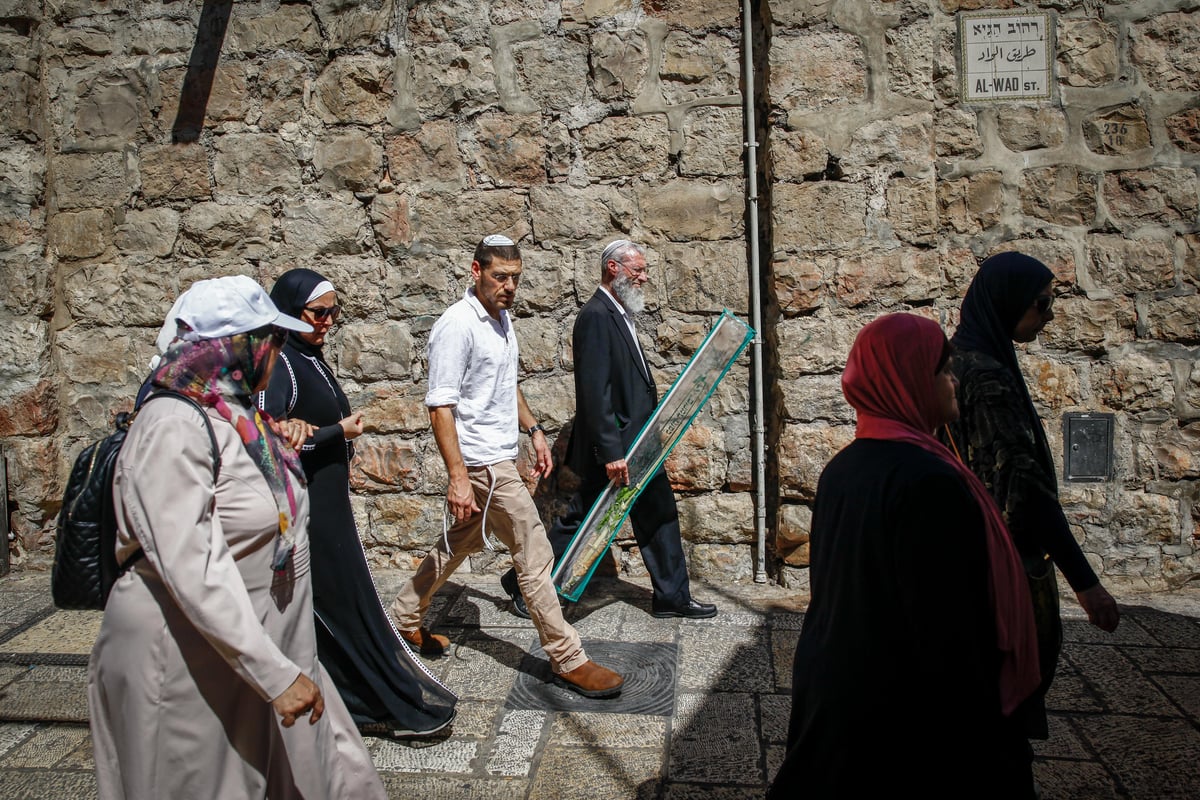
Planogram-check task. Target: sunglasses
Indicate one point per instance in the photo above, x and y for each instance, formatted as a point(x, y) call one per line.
point(322, 312)
point(1043, 303)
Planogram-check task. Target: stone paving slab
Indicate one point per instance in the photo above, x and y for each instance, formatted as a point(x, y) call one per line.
point(1124, 723)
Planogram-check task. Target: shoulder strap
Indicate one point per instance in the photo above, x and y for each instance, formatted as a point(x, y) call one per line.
point(212, 435)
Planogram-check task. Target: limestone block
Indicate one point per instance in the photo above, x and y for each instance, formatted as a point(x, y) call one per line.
point(103, 355)
point(1162, 195)
point(712, 143)
point(1191, 257)
point(228, 98)
point(591, 214)
point(376, 351)
point(956, 133)
point(27, 280)
point(792, 528)
point(797, 154)
point(385, 462)
point(814, 344)
point(83, 40)
point(1142, 518)
point(809, 398)
point(325, 227)
point(912, 209)
point(352, 160)
point(894, 276)
point(1131, 265)
point(1088, 51)
point(212, 229)
point(959, 265)
point(539, 339)
point(174, 172)
point(552, 72)
point(546, 279)
point(578, 12)
point(29, 410)
point(1183, 129)
point(354, 89)
point(905, 139)
point(823, 214)
point(151, 232)
point(1024, 128)
point(1093, 326)
point(1117, 131)
point(910, 60)
point(419, 286)
point(717, 518)
point(32, 485)
point(146, 292)
point(951, 6)
point(1189, 389)
point(1168, 451)
point(800, 13)
point(458, 20)
point(448, 80)
point(618, 64)
point(356, 23)
point(705, 277)
point(279, 88)
point(511, 148)
point(87, 180)
point(1174, 319)
point(1135, 383)
point(551, 398)
point(255, 165)
point(429, 156)
point(288, 28)
point(18, 100)
point(462, 219)
point(161, 35)
point(803, 451)
point(699, 460)
point(618, 147)
point(799, 286)
point(739, 475)
point(391, 223)
point(81, 234)
point(816, 70)
point(24, 349)
point(393, 408)
point(676, 338)
point(405, 521)
point(1052, 384)
point(1063, 195)
point(1164, 50)
point(23, 9)
point(696, 13)
point(695, 67)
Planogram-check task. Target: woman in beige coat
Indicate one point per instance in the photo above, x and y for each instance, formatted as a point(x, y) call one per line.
point(204, 680)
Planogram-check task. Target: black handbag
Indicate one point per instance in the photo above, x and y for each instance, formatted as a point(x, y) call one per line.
point(85, 559)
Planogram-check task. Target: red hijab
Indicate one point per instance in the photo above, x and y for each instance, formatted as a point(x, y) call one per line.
point(889, 380)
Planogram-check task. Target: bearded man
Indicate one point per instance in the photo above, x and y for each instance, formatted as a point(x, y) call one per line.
point(614, 396)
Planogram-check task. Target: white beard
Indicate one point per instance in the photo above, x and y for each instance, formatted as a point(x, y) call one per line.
point(631, 296)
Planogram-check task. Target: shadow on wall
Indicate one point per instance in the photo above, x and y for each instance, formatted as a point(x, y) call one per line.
point(202, 68)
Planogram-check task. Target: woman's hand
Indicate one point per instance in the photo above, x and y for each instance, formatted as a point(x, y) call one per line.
point(352, 426)
point(299, 699)
point(1101, 608)
point(294, 431)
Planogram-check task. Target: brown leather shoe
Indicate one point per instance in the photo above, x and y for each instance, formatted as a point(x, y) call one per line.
point(427, 643)
point(592, 680)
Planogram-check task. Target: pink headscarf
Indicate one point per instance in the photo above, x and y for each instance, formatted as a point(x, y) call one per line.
point(889, 380)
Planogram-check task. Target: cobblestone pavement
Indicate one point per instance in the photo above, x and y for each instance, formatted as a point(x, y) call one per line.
point(704, 713)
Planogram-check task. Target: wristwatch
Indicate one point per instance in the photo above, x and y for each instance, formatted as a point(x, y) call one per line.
point(535, 428)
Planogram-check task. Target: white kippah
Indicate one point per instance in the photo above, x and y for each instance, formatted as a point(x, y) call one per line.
point(612, 249)
point(497, 240)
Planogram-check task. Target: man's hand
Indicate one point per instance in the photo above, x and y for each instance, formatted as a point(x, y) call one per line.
point(1100, 606)
point(352, 426)
point(618, 471)
point(541, 449)
point(461, 498)
point(299, 699)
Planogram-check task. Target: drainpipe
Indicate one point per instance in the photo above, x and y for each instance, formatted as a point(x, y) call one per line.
point(751, 146)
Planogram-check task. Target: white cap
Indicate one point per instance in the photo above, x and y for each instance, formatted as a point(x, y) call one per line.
point(497, 240)
point(226, 306)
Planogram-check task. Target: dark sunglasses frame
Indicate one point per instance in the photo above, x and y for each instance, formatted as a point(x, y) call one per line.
point(321, 312)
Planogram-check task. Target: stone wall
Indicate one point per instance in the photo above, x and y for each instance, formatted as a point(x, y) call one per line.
point(144, 145)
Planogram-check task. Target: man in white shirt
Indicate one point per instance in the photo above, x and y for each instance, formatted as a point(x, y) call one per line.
point(477, 412)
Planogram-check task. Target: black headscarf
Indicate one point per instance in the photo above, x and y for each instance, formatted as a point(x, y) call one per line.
point(998, 297)
point(290, 294)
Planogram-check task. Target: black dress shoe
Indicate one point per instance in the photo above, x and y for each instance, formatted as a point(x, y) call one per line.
point(691, 610)
point(508, 582)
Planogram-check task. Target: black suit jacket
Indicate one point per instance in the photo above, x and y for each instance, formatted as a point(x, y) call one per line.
point(614, 393)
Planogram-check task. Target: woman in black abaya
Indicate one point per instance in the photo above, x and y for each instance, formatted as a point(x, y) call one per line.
point(387, 689)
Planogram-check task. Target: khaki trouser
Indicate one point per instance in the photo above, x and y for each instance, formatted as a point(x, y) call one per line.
point(513, 519)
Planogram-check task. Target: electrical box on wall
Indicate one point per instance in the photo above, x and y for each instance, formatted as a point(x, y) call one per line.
point(1087, 447)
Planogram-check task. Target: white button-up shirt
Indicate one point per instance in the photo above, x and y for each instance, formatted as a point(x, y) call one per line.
point(473, 368)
